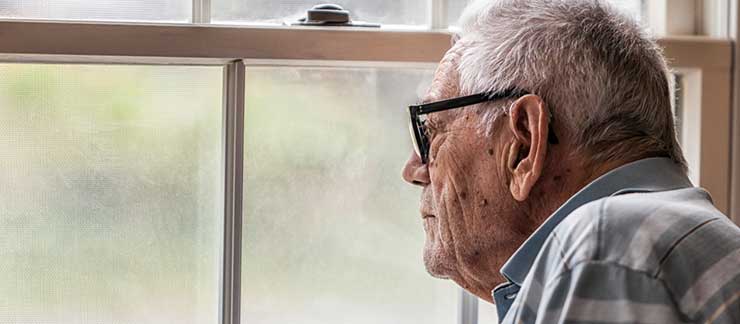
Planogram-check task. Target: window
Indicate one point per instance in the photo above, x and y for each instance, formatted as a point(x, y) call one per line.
point(110, 193)
point(148, 170)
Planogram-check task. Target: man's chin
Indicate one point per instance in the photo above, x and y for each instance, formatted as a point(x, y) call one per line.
point(436, 274)
point(435, 265)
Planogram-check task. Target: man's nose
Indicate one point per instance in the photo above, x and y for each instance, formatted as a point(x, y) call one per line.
point(415, 172)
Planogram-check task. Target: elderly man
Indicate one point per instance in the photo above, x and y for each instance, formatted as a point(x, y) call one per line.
point(546, 150)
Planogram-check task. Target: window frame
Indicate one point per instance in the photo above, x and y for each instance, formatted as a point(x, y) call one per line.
point(706, 62)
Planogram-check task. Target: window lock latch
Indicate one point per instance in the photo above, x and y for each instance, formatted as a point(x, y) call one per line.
point(329, 14)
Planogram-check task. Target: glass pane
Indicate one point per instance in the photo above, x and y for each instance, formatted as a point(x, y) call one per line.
point(110, 10)
point(455, 9)
point(110, 194)
point(392, 12)
point(688, 126)
point(487, 312)
point(631, 7)
point(331, 233)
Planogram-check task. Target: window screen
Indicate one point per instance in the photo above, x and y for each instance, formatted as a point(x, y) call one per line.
point(110, 10)
point(110, 194)
point(633, 8)
point(393, 12)
point(331, 232)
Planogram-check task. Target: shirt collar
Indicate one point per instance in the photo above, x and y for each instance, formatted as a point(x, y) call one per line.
point(646, 175)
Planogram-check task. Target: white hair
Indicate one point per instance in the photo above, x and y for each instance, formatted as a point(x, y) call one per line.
point(605, 81)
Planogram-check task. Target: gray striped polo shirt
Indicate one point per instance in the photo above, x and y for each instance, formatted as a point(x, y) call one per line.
point(638, 245)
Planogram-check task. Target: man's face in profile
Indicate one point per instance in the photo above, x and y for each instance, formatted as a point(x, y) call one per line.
point(469, 217)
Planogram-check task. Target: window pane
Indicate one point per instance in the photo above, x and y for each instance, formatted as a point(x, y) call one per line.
point(111, 10)
point(331, 233)
point(110, 194)
point(631, 7)
point(455, 9)
point(487, 312)
point(686, 110)
point(393, 12)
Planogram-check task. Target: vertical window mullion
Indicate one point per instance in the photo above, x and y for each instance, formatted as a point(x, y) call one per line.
point(467, 312)
point(201, 12)
point(674, 17)
point(233, 182)
point(714, 18)
point(438, 14)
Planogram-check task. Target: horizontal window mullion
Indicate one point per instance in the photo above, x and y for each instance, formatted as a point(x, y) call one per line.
point(220, 42)
point(172, 43)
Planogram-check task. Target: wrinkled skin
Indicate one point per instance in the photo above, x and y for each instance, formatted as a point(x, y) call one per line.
point(474, 211)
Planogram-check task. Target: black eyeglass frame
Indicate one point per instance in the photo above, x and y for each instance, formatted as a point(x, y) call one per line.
point(416, 125)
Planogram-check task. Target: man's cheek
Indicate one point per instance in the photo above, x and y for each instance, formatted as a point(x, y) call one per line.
point(451, 222)
point(441, 181)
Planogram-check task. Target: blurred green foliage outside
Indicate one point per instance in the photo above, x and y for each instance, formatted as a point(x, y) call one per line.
point(111, 197)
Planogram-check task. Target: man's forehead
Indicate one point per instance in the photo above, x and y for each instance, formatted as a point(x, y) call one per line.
point(446, 80)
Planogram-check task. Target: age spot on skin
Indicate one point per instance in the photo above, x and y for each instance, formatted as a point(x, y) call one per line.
point(490, 152)
point(483, 202)
point(463, 195)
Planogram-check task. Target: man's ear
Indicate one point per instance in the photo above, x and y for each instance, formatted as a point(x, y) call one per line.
point(529, 124)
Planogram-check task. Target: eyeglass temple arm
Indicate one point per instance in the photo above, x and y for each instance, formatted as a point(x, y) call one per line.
point(462, 101)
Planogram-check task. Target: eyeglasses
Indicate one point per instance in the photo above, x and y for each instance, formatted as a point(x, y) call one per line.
point(416, 124)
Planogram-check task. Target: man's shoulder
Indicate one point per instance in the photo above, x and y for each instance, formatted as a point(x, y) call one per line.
point(676, 238)
point(643, 231)
point(640, 230)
